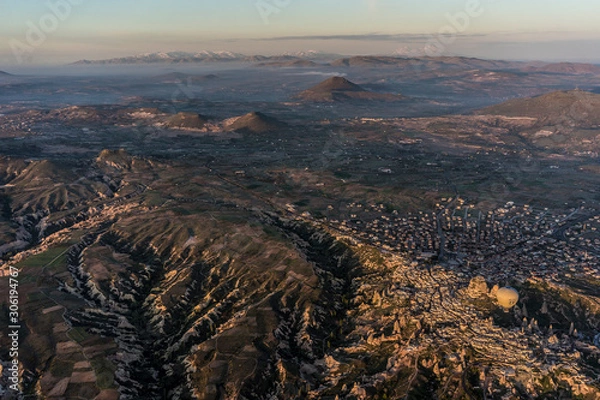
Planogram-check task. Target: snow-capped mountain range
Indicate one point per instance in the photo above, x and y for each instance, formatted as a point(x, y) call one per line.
point(177, 57)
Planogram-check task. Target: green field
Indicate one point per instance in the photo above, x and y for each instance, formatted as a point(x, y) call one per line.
point(53, 260)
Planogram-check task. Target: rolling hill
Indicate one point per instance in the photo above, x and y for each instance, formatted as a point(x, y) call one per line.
point(576, 108)
point(255, 122)
point(187, 120)
point(567, 68)
point(341, 89)
point(565, 122)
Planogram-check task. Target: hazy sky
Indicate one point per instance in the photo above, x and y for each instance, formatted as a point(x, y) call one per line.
point(92, 29)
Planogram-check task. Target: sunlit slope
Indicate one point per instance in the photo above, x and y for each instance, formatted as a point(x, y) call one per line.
point(576, 108)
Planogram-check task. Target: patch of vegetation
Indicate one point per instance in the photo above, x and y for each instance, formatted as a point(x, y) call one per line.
point(342, 175)
point(78, 334)
point(52, 259)
point(36, 296)
point(273, 233)
point(105, 373)
point(60, 368)
point(231, 217)
point(154, 199)
point(302, 203)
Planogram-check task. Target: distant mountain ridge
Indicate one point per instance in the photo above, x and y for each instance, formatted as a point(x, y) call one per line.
point(170, 57)
point(318, 59)
point(181, 57)
point(303, 59)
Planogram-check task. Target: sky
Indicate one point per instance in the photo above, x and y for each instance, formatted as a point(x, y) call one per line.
point(63, 31)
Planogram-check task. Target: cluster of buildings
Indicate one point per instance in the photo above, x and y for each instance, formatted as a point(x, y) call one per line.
point(441, 325)
point(431, 304)
point(511, 242)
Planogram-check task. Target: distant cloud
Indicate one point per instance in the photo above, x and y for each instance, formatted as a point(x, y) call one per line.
point(375, 37)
